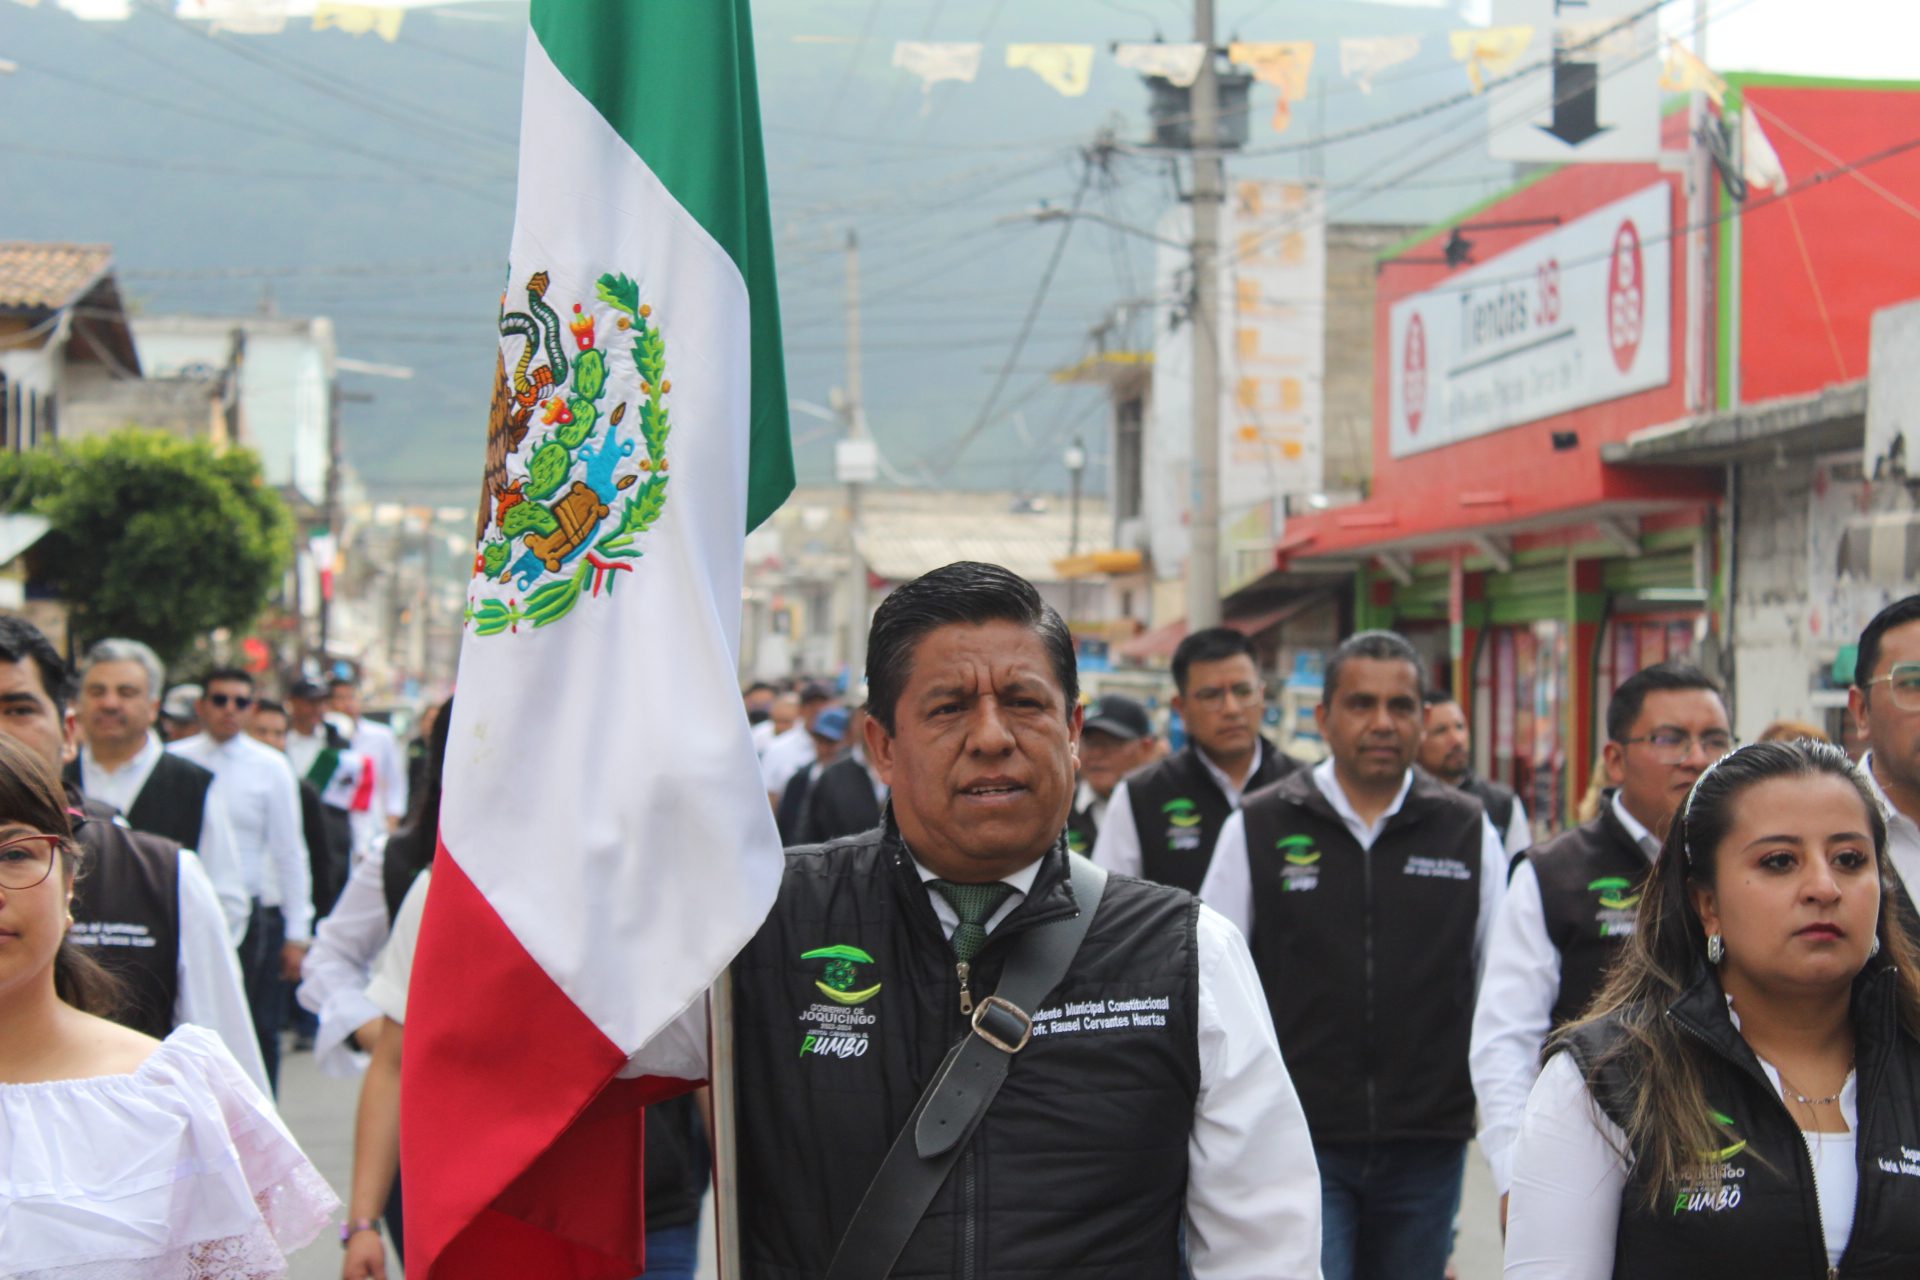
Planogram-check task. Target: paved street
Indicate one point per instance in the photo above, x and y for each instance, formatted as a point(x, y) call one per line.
point(320, 1112)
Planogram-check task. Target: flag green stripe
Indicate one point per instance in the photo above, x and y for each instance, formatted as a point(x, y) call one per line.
point(676, 79)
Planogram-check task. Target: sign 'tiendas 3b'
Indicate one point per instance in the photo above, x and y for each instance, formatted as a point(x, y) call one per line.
point(1571, 318)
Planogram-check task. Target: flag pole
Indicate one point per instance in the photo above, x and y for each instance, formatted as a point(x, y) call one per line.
point(726, 1156)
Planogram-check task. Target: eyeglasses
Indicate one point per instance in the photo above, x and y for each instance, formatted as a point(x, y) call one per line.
point(240, 701)
point(25, 861)
point(1217, 694)
point(1672, 746)
point(1903, 682)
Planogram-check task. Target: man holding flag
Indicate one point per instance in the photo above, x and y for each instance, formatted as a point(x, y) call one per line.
point(606, 846)
point(901, 1112)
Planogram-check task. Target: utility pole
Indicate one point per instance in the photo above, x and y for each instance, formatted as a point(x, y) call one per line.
point(855, 465)
point(1700, 177)
point(1209, 184)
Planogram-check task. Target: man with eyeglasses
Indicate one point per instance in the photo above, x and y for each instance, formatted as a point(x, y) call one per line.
point(263, 801)
point(1885, 702)
point(1571, 901)
point(1162, 822)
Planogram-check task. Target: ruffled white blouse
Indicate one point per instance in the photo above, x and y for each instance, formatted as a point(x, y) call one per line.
point(180, 1170)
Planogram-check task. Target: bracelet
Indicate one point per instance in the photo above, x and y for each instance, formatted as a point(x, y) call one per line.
point(354, 1226)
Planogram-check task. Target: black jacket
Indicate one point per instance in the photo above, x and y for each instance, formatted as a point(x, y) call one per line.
point(173, 803)
point(847, 1001)
point(1498, 799)
point(840, 802)
point(1367, 956)
point(1178, 810)
point(126, 911)
point(1760, 1217)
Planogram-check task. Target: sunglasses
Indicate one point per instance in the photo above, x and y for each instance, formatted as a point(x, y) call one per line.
point(238, 701)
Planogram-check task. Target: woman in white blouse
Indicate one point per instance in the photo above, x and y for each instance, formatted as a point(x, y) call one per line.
point(121, 1157)
point(1743, 1096)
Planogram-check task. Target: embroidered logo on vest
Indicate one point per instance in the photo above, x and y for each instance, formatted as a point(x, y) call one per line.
point(838, 1029)
point(1301, 871)
point(1077, 841)
point(1714, 1187)
point(1183, 824)
point(1617, 903)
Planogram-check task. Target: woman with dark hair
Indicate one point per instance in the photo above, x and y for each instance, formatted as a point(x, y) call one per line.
point(121, 1157)
point(1743, 1097)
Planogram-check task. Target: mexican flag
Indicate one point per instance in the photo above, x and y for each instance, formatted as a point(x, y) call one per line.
point(605, 844)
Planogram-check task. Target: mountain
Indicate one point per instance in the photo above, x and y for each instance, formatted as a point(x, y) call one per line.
point(321, 172)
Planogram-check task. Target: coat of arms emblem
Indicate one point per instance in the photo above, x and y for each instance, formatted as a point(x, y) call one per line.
point(565, 499)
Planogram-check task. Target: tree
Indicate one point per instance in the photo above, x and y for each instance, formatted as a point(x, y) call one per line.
point(153, 537)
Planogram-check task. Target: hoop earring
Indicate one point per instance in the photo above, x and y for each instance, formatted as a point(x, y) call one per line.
point(1716, 949)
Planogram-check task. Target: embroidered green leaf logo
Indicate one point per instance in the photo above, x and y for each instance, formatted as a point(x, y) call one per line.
point(1298, 850)
point(842, 972)
point(1615, 892)
point(1726, 1122)
point(1182, 812)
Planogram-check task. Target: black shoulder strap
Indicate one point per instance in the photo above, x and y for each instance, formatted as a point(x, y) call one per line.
point(927, 1148)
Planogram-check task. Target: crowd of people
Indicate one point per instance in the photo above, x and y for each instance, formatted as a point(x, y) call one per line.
point(1252, 1032)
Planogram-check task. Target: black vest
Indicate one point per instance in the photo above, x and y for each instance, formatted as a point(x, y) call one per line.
point(1178, 810)
point(1082, 831)
point(847, 1001)
point(173, 803)
point(126, 910)
point(1761, 1217)
point(1498, 799)
point(1590, 880)
point(1367, 956)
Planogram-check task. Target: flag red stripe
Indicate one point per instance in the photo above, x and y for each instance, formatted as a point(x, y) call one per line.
point(520, 1159)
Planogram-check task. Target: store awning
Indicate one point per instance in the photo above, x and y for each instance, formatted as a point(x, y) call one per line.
point(1162, 641)
point(1827, 421)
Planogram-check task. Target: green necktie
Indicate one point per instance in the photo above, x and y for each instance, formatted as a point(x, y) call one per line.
point(975, 905)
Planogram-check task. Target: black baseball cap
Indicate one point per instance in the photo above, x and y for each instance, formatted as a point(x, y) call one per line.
point(1120, 716)
point(307, 690)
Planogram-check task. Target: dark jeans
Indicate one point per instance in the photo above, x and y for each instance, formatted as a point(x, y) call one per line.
point(1386, 1208)
point(260, 970)
point(673, 1253)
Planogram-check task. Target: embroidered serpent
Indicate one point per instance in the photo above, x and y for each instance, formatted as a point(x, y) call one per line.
point(541, 330)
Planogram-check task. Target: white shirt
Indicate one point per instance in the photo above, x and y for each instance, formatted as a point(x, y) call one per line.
point(1117, 847)
point(1514, 1013)
point(1253, 1188)
point(1519, 834)
point(179, 1166)
point(387, 989)
point(218, 858)
point(211, 991)
point(1569, 1171)
point(1903, 834)
point(263, 803)
point(1088, 801)
point(375, 744)
point(304, 748)
point(334, 975)
point(1228, 887)
point(785, 756)
point(762, 734)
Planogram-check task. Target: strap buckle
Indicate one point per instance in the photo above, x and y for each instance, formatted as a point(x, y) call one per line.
point(1012, 1029)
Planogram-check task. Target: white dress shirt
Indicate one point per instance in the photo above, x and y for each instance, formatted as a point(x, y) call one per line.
point(1088, 801)
point(1903, 834)
point(375, 744)
point(1117, 847)
point(1253, 1187)
point(1514, 1013)
point(263, 802)
point(334, 975)
point(1228, 887)
point(785, 756)
point(1570, 1169)
point(218, 858)
point(393, 970)
point(209, 990)
point(1519, 833)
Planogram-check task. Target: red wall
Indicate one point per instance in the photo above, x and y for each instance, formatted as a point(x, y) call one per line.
point(1859, 248)
point(1516, 473)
